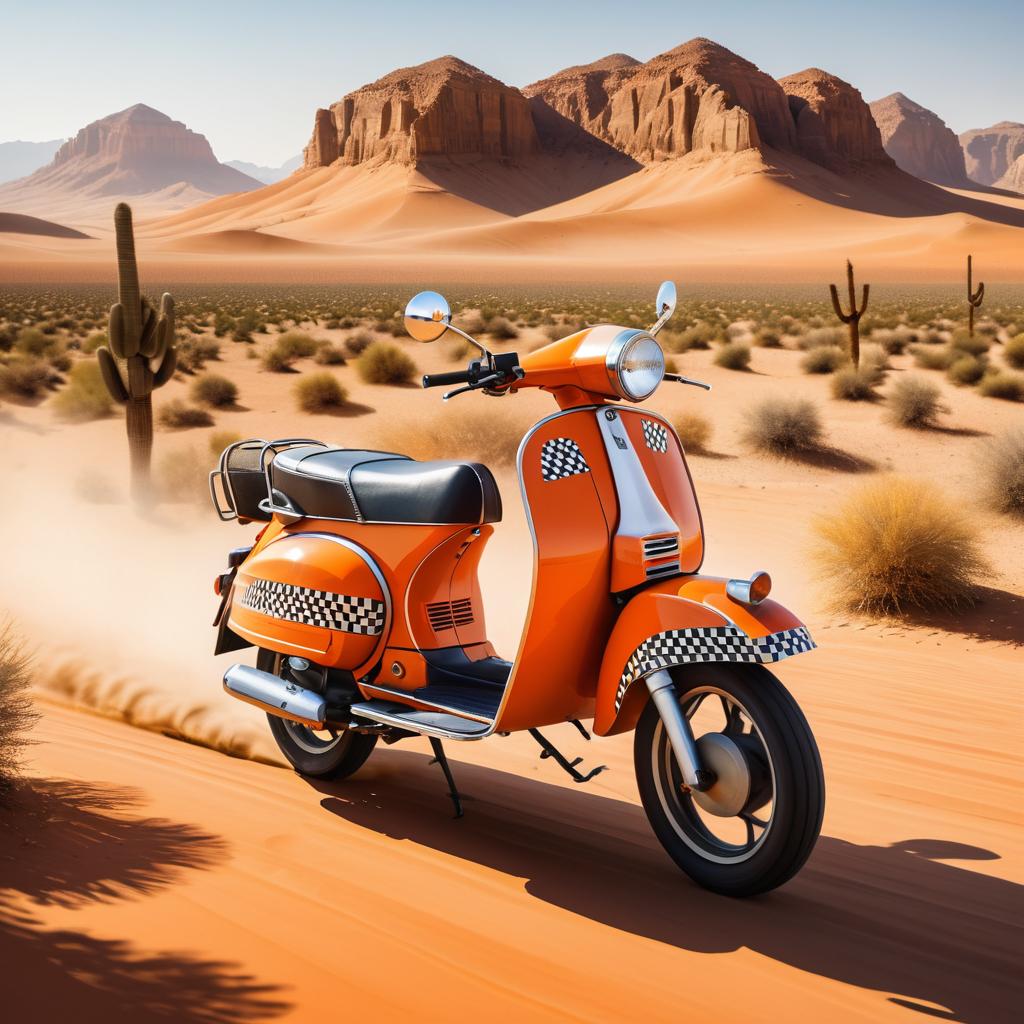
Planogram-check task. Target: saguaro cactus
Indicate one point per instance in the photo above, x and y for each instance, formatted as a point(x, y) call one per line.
point(139, 341)
point(853, 317)
point(973, 298)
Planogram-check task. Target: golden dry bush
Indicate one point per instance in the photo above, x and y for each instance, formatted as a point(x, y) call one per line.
point(320, 392)
point(16, 712)
point(782, 426)
point(694, 431)
point(85, 397)
point(183, 475)
point(897, 545)
point(1002, 472)
point(385, 363)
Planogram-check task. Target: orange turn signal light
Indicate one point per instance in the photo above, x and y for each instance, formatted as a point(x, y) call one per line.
point(752, 591)
point(217, 585)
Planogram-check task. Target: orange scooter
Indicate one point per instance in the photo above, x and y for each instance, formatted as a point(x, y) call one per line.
point(361, 595)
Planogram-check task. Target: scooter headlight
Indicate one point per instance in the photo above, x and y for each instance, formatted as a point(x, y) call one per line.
point(636, 365)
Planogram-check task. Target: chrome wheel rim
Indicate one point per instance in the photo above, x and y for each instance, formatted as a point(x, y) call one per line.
point(699, 819)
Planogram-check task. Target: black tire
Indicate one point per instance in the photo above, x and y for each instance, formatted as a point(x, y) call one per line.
point(792, 768)
point(308, 753)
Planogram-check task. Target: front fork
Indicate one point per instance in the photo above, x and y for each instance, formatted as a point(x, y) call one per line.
point(663, 693)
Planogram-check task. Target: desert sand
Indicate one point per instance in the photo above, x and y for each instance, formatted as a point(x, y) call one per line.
point(178, 883)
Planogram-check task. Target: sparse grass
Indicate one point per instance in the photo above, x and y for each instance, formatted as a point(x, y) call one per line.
point(967, 369)
point(1013, 352)
point(851, 385)
point(384, 363)
point(16, 712)
point(176, 415)
point(1003, 384)
point(694, 431)
point(783, 426)
point(895, 545)
point(915, 402)
point(215, 390)
point(735, 355)
point(825, 359)
point(1002, 472)
point(85, 397)
point(930, 357)
point(319, 392)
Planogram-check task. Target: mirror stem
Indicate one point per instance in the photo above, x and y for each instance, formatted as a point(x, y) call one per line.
point(476, 344)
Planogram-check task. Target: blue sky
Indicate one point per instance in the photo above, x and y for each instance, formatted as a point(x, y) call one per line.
point(249, 75)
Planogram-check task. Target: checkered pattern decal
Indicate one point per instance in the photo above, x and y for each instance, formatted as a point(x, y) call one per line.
point(655, 436)
point(710, 643)
point(315, 607)
point(561, 457)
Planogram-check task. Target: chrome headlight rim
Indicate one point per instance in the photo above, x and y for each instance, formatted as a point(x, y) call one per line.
point(617, 352)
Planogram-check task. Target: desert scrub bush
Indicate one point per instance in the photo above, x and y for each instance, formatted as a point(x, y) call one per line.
point(1003, 384)
point(897, 544)
point(213, 389)
point(915, 402)
point(698, 335)
point(782, 426)
point(26, 376)
point(767, 337)
point(176, 415)
point(874, 360)
point(16, 712)
point(33, 342)
point(287, 349)
point(499, 328)
point(963, 342)
point(319, 392)
point(384, 363)
point(220, 439)
point(826, 359)
point(1002, 471)
point(734, 355)
point(694, 431)
point(1013, 352)
point(86, 396)
point(93, 342)
point(356, 344)
point(935, 358)
point(194, 352)
point(967, 369)
point(819, 336)
point(328, 354)
point(852, 385)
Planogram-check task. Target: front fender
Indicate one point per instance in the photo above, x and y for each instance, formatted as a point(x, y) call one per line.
point(673, 624)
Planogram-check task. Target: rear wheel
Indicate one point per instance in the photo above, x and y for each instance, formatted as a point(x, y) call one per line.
point(319, 753)
point(755, 827)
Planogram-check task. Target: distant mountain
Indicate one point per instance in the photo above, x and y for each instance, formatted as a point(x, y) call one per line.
point(1013, 179)
point(18, 159)
point(990, 152)
point(919, 141)
point(268, 175)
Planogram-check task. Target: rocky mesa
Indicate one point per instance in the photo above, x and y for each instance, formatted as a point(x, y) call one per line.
point(919, 140)
point(989, 153)
point(444, 108)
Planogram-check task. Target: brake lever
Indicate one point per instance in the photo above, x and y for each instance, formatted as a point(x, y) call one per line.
point(501, 377)
point(679, 379)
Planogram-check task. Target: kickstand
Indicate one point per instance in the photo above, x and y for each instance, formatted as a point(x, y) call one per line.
point(549, 750)
point(442, 760)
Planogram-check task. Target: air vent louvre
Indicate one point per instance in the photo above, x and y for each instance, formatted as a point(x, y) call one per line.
point(662, 569)
point(444, 615)
point(661, 547)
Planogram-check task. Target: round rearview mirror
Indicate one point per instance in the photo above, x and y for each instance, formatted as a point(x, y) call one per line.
point(427, 316)
point(666, 301)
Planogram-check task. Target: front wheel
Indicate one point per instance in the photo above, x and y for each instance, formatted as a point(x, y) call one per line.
point(319, 754)
point(755, 827)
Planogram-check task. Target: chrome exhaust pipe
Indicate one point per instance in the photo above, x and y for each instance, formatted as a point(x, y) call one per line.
point(276, 696)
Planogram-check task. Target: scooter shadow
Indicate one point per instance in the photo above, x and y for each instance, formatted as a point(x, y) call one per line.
point(892, 919)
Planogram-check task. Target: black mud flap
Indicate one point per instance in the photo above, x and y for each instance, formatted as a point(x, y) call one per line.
point(227, 638)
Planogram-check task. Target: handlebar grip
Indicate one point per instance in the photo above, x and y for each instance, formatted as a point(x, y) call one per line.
point(440, 380)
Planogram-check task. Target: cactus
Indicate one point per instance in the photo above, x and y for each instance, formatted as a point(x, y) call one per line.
point(139, 340)
point(853, 317)
point(973, 298)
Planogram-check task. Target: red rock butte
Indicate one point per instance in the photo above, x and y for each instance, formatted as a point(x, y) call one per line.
point(919, 141)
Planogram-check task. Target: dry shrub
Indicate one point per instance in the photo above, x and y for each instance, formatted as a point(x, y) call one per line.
point(356, 344)
point(194, 352)
point(384, 363)
point(819, 336)
point(319, 392)
point(733, 356)
point(499, 328)
point(183, 475)
point(1003, 384)
point(16, 712)
point(95, 340)
point(32, 342)
point(967, 369)
point(469, 433)
point(875, 361)
point(852, 385)
point(699, 335)
point(287, 349)
point(915, 402)
point(897, 544)
point(1013, 352)
point(963, 342)
point(929, 358)
point(26, 376)
point(328, 354)
point(213, 389)
point(86, 396)
point(176, 415)
point(1002, 471)
point(783, 426)
point(694, 431)
point(825, 359)
point(768, 338)
point(220, 439)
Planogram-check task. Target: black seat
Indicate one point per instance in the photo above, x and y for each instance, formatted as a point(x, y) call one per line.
point(383, 487)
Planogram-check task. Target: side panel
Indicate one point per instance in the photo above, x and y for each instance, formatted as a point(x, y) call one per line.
point(693, 622)
point(563, 473)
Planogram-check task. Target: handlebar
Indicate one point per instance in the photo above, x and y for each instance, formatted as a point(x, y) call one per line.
point(440, 380)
